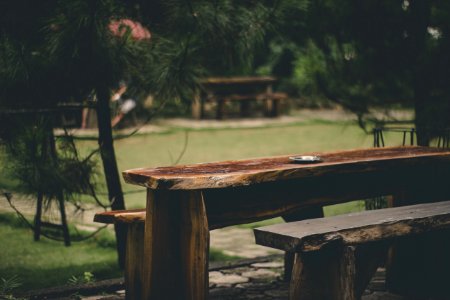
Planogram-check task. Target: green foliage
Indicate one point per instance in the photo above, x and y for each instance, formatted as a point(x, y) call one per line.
point(104, 239)
point(87, 277)
point(218, 255)
point(12, 220)
point(49, 263)
point(7, 286)
point(30, 161)
point(361, 55)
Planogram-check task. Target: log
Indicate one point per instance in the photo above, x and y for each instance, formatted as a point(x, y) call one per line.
point(256, 171)
point(176, 246)
point(356, 228)
point(337, 272)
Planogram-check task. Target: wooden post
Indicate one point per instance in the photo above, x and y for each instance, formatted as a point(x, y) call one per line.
point(38, 217)
point(197, 106)
point(65, 227)
point(133, 261)
point(110, 169)
point(303, 214)
point(245, 108)
point(220, 108)
point(176, 246)
point(336, 272)
point(327, 274)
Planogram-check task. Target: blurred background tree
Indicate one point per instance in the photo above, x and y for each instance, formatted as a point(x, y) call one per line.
point(62, 51)
point(368, 54)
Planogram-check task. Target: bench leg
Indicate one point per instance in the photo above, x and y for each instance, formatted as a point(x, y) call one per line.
point(420, 266)
point(303, 214)
point(324, 275)
point(272, 107)
point(220, 108)
point(197, 106)
point(245, 108)
point(176, 246)
point(133, 261)
point(338, 273)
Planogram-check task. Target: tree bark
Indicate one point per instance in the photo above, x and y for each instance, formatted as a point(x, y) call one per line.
point(106, 143)
point(420, 17)
point(38, 217)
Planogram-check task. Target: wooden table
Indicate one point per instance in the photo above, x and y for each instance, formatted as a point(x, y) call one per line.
point(185, 202)
point(242, 89)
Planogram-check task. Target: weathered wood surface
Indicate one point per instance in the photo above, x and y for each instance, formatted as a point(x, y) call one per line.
point(328, 276)
point(133, 220)
point(340, 272)
point(134, 257)
point(176, 246)
point(357, 228)
point(259, 96)
point(304, 214)
point(120, 216)
point(256, 171)
point(211, 81)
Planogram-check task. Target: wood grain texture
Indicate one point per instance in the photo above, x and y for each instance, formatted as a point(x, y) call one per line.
point(120, 216)
point(133, 261)
point(176, 246)
point(326, 275)
point(357, 228)
point(338, 272)
point(230, 206)
point(304, 214)
point(237, 80)
point(255, 171)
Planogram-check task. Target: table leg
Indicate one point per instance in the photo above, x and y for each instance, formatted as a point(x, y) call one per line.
point(220, 108)
point(134, 256)
point(197, 106)
point(245, 108)
point(176, 246)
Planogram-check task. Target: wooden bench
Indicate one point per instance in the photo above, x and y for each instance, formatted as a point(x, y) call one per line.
point(135, 222)
point(271, 103)
point(336, 257)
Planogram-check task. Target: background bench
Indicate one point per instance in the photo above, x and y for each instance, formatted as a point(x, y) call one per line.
point(337, 256)
point(243, 89)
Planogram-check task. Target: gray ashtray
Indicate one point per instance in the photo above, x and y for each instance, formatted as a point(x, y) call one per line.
point(305, 159)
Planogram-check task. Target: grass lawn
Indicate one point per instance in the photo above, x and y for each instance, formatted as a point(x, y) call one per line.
point(49, 263)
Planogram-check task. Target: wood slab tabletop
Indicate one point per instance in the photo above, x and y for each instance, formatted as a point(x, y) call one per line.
point(253, 171)
point(237, 80)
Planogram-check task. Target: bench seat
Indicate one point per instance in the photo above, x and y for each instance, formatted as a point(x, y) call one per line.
point(336, 256)
point(121, 216)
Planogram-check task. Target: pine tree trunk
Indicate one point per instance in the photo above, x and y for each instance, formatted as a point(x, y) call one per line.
point(420, 17)
point(106, 143)
point(38, 217)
